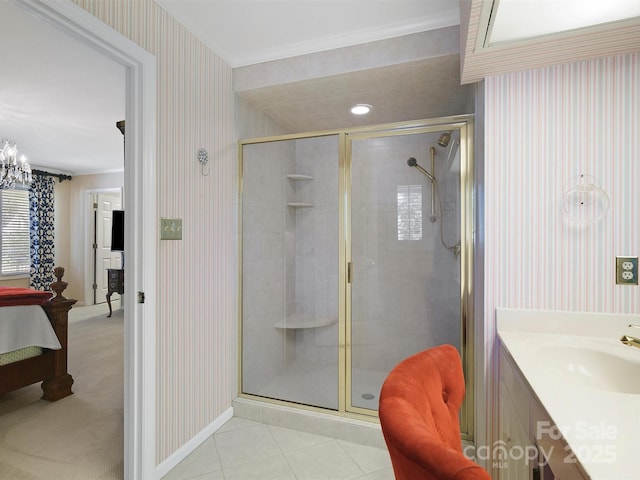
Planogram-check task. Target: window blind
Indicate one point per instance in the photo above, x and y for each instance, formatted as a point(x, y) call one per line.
point(409, 212)
point(15, 243)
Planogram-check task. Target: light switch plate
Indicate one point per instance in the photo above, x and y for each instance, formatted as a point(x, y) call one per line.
point(170, 229)
point(626, 270)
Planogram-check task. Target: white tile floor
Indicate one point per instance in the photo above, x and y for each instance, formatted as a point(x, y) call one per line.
point(244, 450)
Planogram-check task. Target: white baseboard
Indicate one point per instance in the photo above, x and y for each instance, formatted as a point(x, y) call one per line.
point(183, 452)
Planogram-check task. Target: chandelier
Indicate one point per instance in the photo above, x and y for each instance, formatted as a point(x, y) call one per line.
point(12, 170)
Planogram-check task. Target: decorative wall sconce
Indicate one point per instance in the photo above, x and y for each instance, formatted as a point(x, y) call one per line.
point(203, 158)
point(584, 201)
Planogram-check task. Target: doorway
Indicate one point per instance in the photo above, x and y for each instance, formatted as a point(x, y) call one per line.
point(102, 204)
point(140, 223)
point(356, 253)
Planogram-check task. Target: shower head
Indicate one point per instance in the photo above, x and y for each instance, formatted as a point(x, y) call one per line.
point(412, 162)
point(444, 139)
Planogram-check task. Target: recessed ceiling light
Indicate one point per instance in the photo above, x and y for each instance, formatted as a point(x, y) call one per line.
point(361, 109)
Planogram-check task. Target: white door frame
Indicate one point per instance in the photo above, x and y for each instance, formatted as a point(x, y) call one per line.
point(140, 222)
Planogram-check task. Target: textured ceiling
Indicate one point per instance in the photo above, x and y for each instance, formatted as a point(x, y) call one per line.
point(409, 91)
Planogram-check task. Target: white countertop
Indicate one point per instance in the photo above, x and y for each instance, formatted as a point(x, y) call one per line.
point(600, 424)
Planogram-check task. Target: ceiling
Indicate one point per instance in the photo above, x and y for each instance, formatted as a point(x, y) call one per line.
point(248, 32)
point(59, 101)
point(245, 32)
point(414, 90)
point(62, 99)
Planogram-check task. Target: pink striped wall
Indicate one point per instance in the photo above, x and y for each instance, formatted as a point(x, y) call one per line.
point(543, 127)
point(196, 326)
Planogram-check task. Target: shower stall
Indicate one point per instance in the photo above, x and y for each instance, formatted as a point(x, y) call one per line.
point(356, 252)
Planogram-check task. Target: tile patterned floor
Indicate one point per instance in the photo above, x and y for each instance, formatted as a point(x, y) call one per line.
point(245, 450)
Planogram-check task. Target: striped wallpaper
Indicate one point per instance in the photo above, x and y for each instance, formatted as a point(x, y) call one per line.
point(543, 127)
point(196, 326)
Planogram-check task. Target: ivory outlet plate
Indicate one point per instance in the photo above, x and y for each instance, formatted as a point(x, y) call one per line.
point(170, 229)
point(627, 270)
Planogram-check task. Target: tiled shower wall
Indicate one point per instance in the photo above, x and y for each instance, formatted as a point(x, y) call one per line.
point(405, 293)
point(316, 228)
point(196, 328)
point(315, 255)
point(544, 127)
point(290, 255)
point(264, 262)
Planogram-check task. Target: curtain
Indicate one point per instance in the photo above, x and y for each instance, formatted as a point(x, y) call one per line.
point(41, 202)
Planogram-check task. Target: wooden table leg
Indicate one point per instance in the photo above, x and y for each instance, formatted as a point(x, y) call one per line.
point(109, 303)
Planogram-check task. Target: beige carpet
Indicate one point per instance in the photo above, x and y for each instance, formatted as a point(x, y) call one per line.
point(81, 436)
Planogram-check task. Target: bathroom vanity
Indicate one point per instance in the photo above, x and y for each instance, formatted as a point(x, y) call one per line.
point(569, 396)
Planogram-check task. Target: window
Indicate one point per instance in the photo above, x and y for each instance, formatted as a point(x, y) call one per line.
point(14, 235)
point(409, 212)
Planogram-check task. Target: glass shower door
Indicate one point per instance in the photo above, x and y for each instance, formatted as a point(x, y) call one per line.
point(405, 255)
point(290, 270)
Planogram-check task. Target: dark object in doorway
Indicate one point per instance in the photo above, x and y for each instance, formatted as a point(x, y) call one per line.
point(117, 231)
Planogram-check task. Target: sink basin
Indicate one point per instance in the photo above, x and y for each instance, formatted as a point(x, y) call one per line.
point(593, 368)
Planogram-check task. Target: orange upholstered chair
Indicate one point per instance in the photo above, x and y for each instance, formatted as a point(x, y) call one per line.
point(419, 405)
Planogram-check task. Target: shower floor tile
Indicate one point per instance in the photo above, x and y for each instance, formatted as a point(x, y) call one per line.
point(243, 449)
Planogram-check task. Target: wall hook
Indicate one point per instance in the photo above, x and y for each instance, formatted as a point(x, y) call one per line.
point(203, 158)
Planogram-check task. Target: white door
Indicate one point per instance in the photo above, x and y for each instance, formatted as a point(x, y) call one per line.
point(104, 204)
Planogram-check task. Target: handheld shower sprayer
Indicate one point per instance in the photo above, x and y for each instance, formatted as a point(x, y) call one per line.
point(435, 194)
point(412, 162)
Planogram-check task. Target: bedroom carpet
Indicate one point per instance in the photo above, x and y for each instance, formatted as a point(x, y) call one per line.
point(81, 436)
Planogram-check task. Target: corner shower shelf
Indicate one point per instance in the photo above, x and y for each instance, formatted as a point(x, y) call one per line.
point(296, 176)
point(301, 320)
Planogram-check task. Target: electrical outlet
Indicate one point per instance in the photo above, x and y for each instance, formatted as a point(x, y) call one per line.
point(170, 229)
point(627, 270)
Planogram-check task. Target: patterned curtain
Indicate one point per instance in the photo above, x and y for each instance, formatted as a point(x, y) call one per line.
point(42, 233)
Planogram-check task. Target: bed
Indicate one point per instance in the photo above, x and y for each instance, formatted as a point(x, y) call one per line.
point(33, 346)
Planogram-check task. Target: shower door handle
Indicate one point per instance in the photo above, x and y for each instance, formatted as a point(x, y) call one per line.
point(349, 272)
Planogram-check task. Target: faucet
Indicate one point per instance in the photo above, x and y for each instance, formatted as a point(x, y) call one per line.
point(629, 340)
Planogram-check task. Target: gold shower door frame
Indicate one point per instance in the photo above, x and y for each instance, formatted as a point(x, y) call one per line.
point(464, 125)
